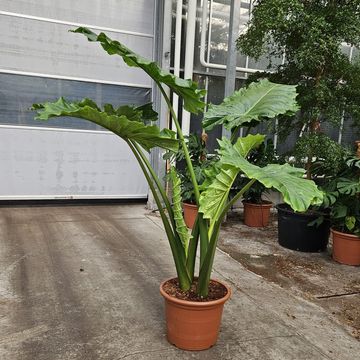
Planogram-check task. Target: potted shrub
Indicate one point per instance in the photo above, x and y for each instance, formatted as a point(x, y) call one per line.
point(328, 84)
point(344, 197)
point(256, 208)
point(193, 303)
point(199, 158)
point(309, 231)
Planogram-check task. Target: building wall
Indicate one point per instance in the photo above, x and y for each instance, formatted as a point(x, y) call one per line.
point(40, 60)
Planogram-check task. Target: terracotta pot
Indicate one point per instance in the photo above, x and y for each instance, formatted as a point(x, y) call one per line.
point(257, 215)
point(346, 248)
point(190, 214)
point(193, 325)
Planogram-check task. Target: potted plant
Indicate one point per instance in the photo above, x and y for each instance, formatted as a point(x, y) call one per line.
point(309, 231)
point(256, 208)
point(200, 161)
point(328, 87)
point(344, 198)
point(193, 303)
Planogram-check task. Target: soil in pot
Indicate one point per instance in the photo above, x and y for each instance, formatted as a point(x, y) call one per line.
point(190, 214)
point(346, 248)
point(295, 233)
point(257, 215)
point(192, 322)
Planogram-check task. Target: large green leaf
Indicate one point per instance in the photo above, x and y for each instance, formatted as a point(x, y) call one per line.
point(125, 122)
point(187, 89)
point(181, 228)
point(213, 200)
point(299, 193)
point(259, 100)
point(348, 186)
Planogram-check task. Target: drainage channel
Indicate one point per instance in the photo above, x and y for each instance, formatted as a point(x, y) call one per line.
point(338, 295)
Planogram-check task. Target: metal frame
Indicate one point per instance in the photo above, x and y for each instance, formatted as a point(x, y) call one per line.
point(162, 48)
point(55, 21)
point(42, 128)
point(62, 77)
point(205, 63)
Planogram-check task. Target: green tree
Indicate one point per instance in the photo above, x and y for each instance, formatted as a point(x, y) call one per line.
point(311, 34)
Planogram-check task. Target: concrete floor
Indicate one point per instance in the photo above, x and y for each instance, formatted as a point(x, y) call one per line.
point(313, 276)
point(81, 282)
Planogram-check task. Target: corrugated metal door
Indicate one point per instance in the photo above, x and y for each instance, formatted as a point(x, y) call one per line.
point(39, 61)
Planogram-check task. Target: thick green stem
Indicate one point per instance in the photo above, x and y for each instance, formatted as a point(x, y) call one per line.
point(204, 240)
point(234, 134)
point(190, 260)
point(205, 269)
point(183, 144)
point(158, 184)
point(235, 198)
point(176, 248)
point(204, 237)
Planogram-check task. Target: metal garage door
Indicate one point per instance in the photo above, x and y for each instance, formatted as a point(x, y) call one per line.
point(39, 61)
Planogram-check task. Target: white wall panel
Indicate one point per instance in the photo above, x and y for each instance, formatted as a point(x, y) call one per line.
point(56, 164)
point(48, 48)
point(38, 163)
point(130, 15)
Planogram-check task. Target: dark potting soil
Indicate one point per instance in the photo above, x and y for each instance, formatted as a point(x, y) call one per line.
point(216, 291)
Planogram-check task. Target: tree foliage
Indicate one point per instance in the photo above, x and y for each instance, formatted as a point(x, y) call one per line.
point(311, 33)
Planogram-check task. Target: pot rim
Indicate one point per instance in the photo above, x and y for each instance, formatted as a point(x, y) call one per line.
point(352, 236)
point(266, 203)
point(197, 304)
point(287, 209)
point(190, 205)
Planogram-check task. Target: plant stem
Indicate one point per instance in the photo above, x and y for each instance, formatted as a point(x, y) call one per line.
point(205, 269)
point(190, 260)
point(177, 251)
point(233, 134)
point(204, 240)
point(183, 144)
point(235, 198)
point(158, 184)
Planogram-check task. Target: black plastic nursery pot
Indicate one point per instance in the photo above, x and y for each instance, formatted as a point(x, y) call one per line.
point(295, 233)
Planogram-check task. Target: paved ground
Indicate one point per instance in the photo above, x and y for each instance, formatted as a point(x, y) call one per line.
point(82, 283)
point(313, 276)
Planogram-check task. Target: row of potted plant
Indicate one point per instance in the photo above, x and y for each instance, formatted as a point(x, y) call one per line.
point(308, 231)
point(327, 77)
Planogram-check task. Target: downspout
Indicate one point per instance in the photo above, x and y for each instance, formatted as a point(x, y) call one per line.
point(189, 57)
point(177, 52)
point(343, 113)
point(230, 74)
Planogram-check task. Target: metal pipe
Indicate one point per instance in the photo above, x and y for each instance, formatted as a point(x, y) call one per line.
point(189, 57)
point(76, 24)
point(230, 74)
point(177, 52)
point(343, 113)
point(72, 78)
point(208, 52)
point(276, 137)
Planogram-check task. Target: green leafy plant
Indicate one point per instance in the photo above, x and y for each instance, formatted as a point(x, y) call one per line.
point(309, 36)
point(141, 135)
point(263, 100)
point(263, 155)
point(200, 160)
point(343, 196)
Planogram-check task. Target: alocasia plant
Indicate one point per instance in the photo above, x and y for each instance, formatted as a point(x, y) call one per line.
point(134, 126)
